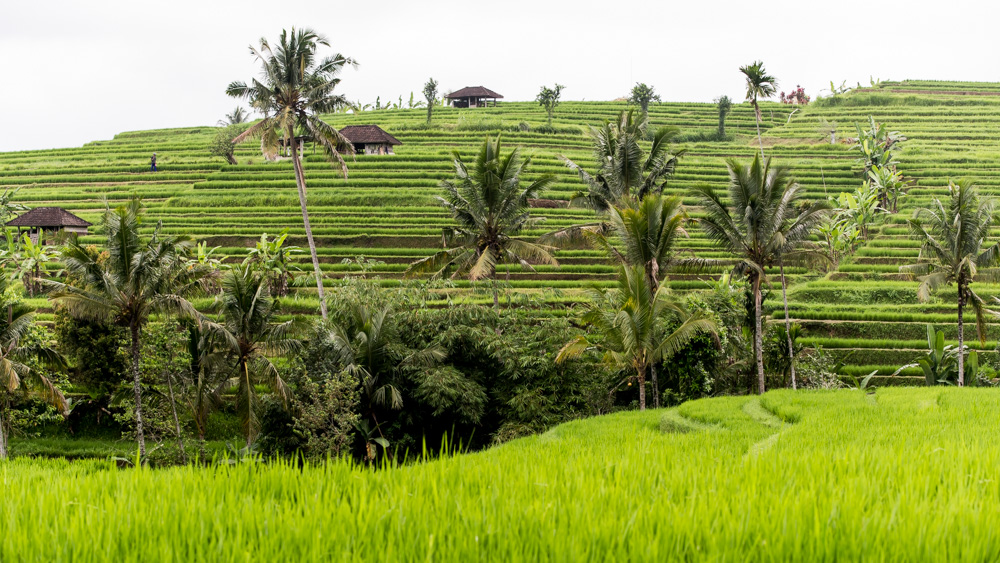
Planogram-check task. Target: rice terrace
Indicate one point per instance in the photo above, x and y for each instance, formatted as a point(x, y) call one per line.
point(456, 325)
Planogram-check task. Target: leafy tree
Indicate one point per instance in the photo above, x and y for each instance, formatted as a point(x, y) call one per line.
point(136, 278)
point(222, 143)
point(491, 209)
point(643, 95)
point(632, 324)
point(245, 337)
point(940, 363)
point(238, 116)
point(724, 105)
point(548, 98)
point(296, 88)
point(430, 93)
point(765, 226)
point(16, 352)
point(759, 84)
point(954, 250)
point(625, 171)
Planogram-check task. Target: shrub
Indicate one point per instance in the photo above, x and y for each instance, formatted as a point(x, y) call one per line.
point(326, 414)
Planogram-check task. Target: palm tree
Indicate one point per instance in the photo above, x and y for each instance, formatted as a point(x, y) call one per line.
point(297, 88)
point(491, 208)
point(760, 84)
point(368, 347)
point(16, 322)
point(246, 337)
point(134, 280)
point(631, 321)
point(648, 232)
point(954, 250)
point(624, 170)
point(766, 225)
point(238, 116)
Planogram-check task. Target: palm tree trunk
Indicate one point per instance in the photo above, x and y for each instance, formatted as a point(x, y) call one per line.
point(760, 140)
point(246, 374)
point(788, 324)
point(137, 386)
point(300, 182)
point(656, 386)
point(961, 335)
point(642, 388)
point(3, 427)
point(177, 422)
point(758, 337)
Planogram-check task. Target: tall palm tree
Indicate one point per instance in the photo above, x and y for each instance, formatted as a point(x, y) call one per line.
point(136, 278)
point(631, 321)
point(296, 87)
point(953, 235)
point(760, 84)
point(491, 209)
point(16, 321)
point(246, 337)
point(766, 225)
point(624, 170)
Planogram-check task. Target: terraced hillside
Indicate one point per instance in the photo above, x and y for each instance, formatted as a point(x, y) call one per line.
point(864, 311)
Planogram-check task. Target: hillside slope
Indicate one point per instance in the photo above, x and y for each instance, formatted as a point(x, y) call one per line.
point(864, 312)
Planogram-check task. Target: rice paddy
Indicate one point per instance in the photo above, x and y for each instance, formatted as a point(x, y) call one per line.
point(386, 210)
point(894, 475)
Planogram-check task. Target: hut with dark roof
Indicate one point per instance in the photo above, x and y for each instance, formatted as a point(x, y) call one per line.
point(474, 97)
point(41, 221)
point(369, 139)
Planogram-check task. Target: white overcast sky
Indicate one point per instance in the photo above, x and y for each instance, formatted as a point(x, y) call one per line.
point(84, 70)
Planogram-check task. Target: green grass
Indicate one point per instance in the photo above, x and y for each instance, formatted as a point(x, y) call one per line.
point(904, 475)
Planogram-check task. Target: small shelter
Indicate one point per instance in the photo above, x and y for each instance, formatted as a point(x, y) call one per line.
point(369, 139)
point(41, 221)
point(474, 97)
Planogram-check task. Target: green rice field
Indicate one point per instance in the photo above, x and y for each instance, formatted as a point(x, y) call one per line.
point(895, 475)
point(864, 312)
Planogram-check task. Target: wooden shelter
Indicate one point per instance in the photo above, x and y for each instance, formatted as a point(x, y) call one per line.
point(474, 97)
point(42, 221)
point(369, 139)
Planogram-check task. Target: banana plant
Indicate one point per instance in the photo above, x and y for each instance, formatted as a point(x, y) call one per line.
point(889, 185)
point(940, 364)
point(860, 208)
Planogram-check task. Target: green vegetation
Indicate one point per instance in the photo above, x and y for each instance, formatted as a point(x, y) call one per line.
point(787, 476)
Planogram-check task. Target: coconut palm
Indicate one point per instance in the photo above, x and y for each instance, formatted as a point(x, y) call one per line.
point(295, 89)
point(136, 278)
point(632, 322)
point(16, 322)
point(245, 338)
point(238, 116)
point(766, 225)
point(624, 170)
point(491, 208)
point(760, 84)
point(953, 235)
point(368, 346)
point(647, 233)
